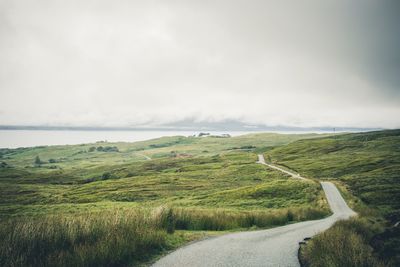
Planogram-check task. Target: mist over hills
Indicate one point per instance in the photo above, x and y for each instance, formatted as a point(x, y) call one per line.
point(193, 125)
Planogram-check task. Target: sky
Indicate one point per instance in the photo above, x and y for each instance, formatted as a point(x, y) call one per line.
point(306, 63)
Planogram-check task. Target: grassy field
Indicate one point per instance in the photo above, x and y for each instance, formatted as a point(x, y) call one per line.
point(368, 165)
point(128, 203)
point(91, 204)
point(230, 181)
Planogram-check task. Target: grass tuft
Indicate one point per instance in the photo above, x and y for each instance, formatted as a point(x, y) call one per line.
point(111, 238)
point(345, 244)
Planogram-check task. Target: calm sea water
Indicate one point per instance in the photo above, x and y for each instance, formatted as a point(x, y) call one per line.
point(28, 138)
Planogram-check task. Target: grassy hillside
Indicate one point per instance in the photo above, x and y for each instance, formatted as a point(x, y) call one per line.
point(369, 165)
point(60, 204)
point(231, 181)
point(368, 162)
point(168, 191)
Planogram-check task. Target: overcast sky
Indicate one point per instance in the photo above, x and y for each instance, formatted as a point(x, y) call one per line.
point(124, 63)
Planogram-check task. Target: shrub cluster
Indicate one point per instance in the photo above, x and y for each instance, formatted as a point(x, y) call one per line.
point(103, 149)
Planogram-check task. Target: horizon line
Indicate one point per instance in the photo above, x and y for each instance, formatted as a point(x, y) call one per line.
point(250, 128)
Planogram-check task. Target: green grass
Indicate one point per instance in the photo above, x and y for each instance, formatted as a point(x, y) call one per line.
point(193, 185)
point(368, 165)
point(89, 240)
point(232, 181)
point(345, 244)
point(90, 207)
point(368, 162)
point(354, 242)
point(113, 238)
point(76, 159)
point(124, 236)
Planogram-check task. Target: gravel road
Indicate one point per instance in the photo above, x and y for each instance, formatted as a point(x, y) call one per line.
point(272, 247)
point(261, 160)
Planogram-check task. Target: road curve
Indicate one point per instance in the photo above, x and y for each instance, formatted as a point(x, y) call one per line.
point(271, 247)
point(261, 160)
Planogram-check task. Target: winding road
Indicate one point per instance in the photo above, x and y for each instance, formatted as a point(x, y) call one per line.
point(272, 247)
point(261, 160)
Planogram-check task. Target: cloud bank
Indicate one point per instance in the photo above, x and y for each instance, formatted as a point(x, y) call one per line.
point(125, 63)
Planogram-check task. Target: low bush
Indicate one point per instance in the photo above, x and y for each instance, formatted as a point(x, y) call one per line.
point(106, 175)
point(105, 149)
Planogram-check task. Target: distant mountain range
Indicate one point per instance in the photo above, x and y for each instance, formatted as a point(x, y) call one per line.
point(190, 125)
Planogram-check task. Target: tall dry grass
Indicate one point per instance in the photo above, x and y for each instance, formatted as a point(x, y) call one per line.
point(111, 238)
point(345, 244)
point(119, 238)
point(197, 219)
